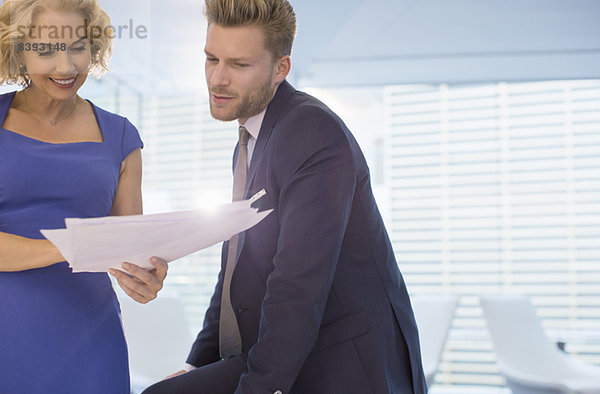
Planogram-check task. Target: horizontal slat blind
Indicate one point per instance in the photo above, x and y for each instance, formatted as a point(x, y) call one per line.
point(497, 188)
point(190, 162)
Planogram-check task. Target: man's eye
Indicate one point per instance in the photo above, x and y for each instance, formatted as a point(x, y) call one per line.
point(242, 64)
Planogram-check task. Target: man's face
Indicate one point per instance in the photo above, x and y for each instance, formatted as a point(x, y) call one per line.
point(241, 73)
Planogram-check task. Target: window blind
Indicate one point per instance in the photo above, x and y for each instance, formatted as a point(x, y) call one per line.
point(496, 188)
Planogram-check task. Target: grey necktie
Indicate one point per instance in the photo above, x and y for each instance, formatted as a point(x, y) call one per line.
point(230, 341)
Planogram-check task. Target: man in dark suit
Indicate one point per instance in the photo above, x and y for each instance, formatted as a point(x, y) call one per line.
point(310, 300)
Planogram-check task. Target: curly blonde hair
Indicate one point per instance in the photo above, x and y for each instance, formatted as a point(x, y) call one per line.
point(16, 15)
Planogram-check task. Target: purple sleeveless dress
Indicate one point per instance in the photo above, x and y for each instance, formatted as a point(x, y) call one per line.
point(60, 332)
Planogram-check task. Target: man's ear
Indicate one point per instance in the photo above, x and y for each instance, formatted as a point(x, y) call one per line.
point(282, 68)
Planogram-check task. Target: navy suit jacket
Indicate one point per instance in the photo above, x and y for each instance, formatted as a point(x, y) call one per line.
point(319, 299)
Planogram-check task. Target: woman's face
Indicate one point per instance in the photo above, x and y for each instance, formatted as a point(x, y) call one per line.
point(57, 53)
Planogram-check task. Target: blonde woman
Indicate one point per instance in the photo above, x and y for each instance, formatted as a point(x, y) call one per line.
point(61, 157)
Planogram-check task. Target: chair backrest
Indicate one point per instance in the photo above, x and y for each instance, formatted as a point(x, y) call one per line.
point(158, 338)
point(519, 338)
point(434, 316)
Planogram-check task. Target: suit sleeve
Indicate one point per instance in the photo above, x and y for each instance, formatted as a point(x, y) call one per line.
point(205, 349)
point(314, 167)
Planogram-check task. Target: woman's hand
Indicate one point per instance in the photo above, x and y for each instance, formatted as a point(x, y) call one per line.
point(139, 284)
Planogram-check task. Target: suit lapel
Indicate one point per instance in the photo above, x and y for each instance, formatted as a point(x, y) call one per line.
point(276, 108)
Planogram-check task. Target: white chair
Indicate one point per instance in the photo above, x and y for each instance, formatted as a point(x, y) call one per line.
point(158, 339)
point(434, 316)
point(530, 363)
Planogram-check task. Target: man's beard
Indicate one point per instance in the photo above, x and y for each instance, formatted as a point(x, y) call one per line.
point(248, 106)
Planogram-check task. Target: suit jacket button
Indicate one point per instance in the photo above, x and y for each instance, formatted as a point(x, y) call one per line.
point(277, 392)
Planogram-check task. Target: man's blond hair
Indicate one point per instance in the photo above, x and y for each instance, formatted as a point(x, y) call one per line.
point(275, 17)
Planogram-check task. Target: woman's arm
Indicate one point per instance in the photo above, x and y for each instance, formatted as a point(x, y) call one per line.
point(128, 198)
point(139, 284)
point(20, 253)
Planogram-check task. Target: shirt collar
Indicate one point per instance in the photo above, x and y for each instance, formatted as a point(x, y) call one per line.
point(254, 123)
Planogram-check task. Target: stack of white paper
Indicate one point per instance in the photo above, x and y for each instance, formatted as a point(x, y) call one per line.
point(97, 244)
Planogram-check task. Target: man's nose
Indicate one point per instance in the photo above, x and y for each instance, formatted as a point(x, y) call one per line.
point(220, 75)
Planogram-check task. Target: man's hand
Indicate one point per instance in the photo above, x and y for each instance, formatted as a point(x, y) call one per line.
point(176, 374)
point(139, 284)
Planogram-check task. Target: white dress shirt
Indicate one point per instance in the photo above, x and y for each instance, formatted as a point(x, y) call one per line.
point(253, 125)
